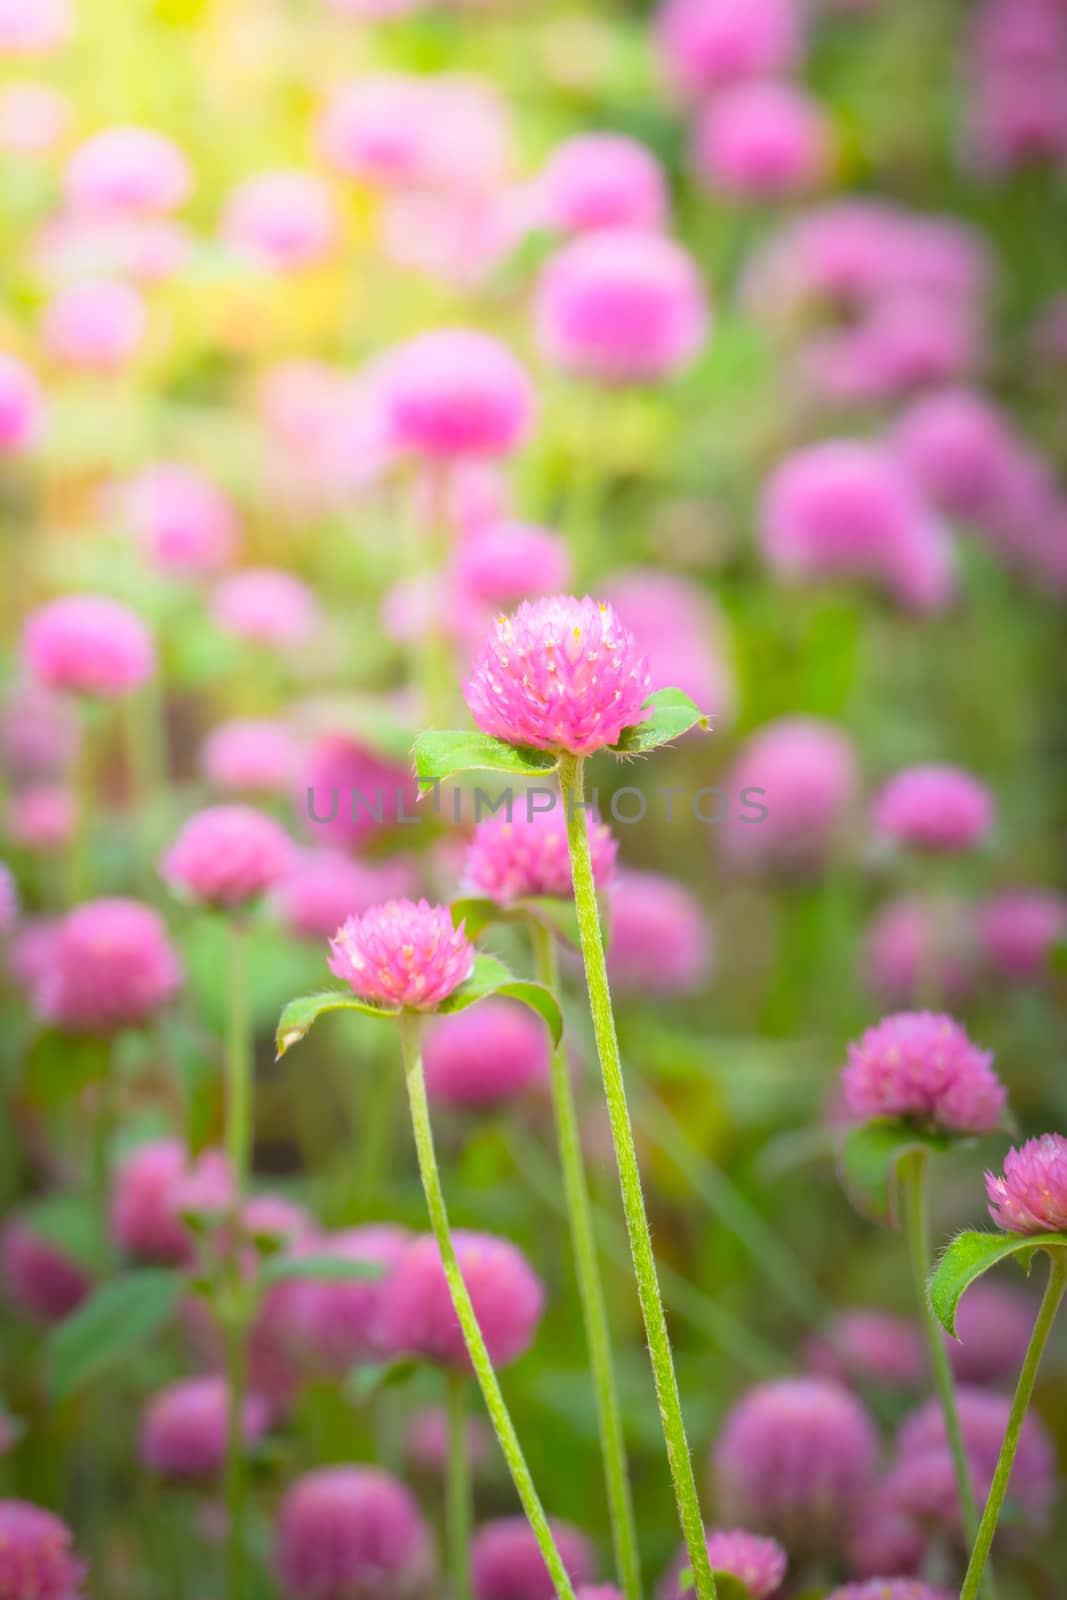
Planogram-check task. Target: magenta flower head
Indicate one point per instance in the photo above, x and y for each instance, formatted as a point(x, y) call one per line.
point(960, 448)
point(124, 171)
point(227, 856)
point(507, 1564)
point(937, 808)
point(1031, 1197)
point(183, 1428)
point(334, 1325)
point(426, 1442)
point(283, 221)
point(86, 644)
point(803, 773)
point(266, 606)
point(456, 392)
point(21, 406)
point(793, 1459)
point(602, 180)
point(758, 1563)
point(1018, 930)
point(110, 965)
point(709, 44)
point(484, 1056)
point(404, 953)
point(37, 1559)
point(922, 1066)
point(509, 561)
point(375, 129)
point(38, 1277)
point(42, 818)
point(621, 306)
point(346, 791)
point(661, 940)
point(889, 1589)
point(144, 1221)
point(417, 1316)
point(95, 326)
point(559, 674)
point(510, 859)
point(250, 755)
point(865, 1346)
point(762, 141)
point(182, 521)
point(906, 940)
point(322, 888)
point(351, 1533)
point(993, 1326)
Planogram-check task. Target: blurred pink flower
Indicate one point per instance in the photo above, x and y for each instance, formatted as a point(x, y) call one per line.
point(1018, 929)
point(250, 755)
point(526, 855)
point(758, 1563)
point(456, 392)
point(762, 141)
point(21, 406)
point(485, 1056)
point(804, 772)
point(183, 1427)
point(868, 1346)
point(282, 221)
point(267, 606)
point(676, 624)
point(110, 965)
point(126, 170)
point(39, 732)
point(706, 45)
point(332, 1326)
point(505, 562)
point(9, 902)
point(507, 1564)
point(96, 326)
point(601, 180)
point(920, 1065)
point(88, 644)
point(37, 1556)
point(34, 118)
point(417, 1317)
point(323, 888)
point(889, 1589)
point(993, 1326)
point(42, 817)
point(38, 1277)
point(934, 807)
point(345, 791)
point(351, 1533)
point(34, 29)
point(661, 940)
point(426, 1442)
point(181, 519)
point(402, 954)
point(144, 1218)
point(227, 856)
point(908, 939)
point(1031, 1197)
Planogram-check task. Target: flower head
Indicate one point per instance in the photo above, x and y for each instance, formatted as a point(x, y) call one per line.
point(937, 808)
point(96, 325)
point(993, 1326)
point(706, 45)
point(867, 1346)
point(676, 624)
point(1018, 929)
point(250, 755)
point(86, 644)
point(512, 858)
point(266, 606)
point(110, 965)
point(333, 1325)
point(456, 392)
point(351, 1533)
point(227, 856)
point(323, 887)
point(1031, 1197)
point(486, 1055)
point(762, 141)
point(602, 180)
point(181, 520)
point(426, 1442)
point(921, 1065)
point(509, 561)
point(403, 953)
point(283, 221)
point(661, 939)
point(38, 1277)
point(757, 1562)
point(805, 774)
point(37, 1561)
point(908, 939)
point(183, 1428)
point(21, 406)
point(124, 171)
point(144, 1221)
point(347, 791)
point(507, 1564)
point(558, 674)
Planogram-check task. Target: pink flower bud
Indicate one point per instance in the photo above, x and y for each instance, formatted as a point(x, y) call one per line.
point(227, 856)
point(128, 170)
point(485, 1056)
point(183, 1428)
point(351, 1533)
point(110, 965)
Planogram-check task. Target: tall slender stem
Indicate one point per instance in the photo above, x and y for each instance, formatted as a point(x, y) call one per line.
point(481, 1361)
point(458, 1509)
point(1054, 1290)
point(633, 1200)
point(591, 1290)
point(235, 1312)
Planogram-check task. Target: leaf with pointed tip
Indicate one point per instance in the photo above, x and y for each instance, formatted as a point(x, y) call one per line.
point(299, 1015)
point(671, 713)
point(491, 977)
point(117, 1319)
point(322, 1268)
point(869, 1158)
point(971, 1254)
point(440, 754)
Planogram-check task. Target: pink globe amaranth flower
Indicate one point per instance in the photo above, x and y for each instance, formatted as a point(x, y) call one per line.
point(347, 792)
point(661, 940)
point(404, 953)
point(867, 1346)
point(37, 29)
point(906, 340)
point(417, 1317)
point(513, 858)
point(1031, 1197)
point(34, 118)
point(87, 644)
point(993, 1326)
point(762, 141)
point(845, 508)
point(426, 1442)
point(97, 326)
point(144, 1221)
point(507, 1564)
point(708, 44)
point(558, 674)
point(38, 1277)
point(961, 450)
point(758, 1563)
point(128, 170)
point(250, 755)
point(908, 939)
point(39, 733)
point(30, 951)
point(793, 1459)
point(375, 129)
point(37, 1558)
point(922, 1066)
point(228, 856)
point(455, 238)
point(936, 807)
point(21, 406)
point(331, 1326)
point(602, 180)
point(204, 1193)
point(889, 1589)
point(283, 221)
point(510, 561)
point(323, 888)
point(183, 1427)
point(621, 306)
point(485, 1056)
point(111, 965)
point(456, 392)
point(677, 625)
point(803, 773)
point(351, 1533)
point(271, 1218)
point(182, 521)
point(9, 901)
point(1018, 930)
point(266, 606)
point(884, 1539)
point(42, 817)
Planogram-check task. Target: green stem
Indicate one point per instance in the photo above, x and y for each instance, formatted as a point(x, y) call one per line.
point(590, 1290)
point(633, 1200)
point(1054, 1290)
point(235, 1312)
point(459, 1510)
point(147, 759)
point(461, 1300)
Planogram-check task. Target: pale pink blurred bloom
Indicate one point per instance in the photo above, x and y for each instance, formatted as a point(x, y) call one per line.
point(38, 1277)
point(144, 1219)
point(677, 625)
point(110, 965)
point(302, 406)
point(477, 495)
point(403, 953)
point(347, 1532)
point(393, 130)
point(507, 1564)
point(708, 44)
point(661, 940)
point(1031, 1197)
point(758, 1563)
point(415, 605)
point(868, 1346)
point(922, 1066)
point(125, 170)
point(762, 141)
point(95, 326)
point(323, 888)
point(227, 856)
point(485, 1056)
point(21, 406)
point(960, 447)
point(181, 519)
point(457, 238)
point(456, 392)
point(297, 401)
point(39, 732)
point(204, 1193)
point(621, 306)
point(42, 817)
point(907, 939)
point(272, 1219)
point(34, 118)
point(88, 644)
point(332, 1326)
point(426, 1442)
point(1017, 33)
point(936, 807)
point(375, 10)
point(360, 449)
point(183, 1427)
point(512, 858)
point(506, 562)
point(906, 341)
point(601, 180)
point(993, 1326)
point(804, 771)
point(34, 27)
point(31, 949)
point(37, 1556)
point(346, 791)
point(282, 221)
point(883, 1539)
point(267, 606)
point(1018, 929)
point(143, 249)
point(250, 755)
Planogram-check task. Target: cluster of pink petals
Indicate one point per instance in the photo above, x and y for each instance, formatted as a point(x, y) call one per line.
point(282, 221)
point(348, 791)
point(762, 141)
point(707, 45)
point(1018, 929)
point(323, 888)
point(38, 1277)
point(602, 180)
point(935, 807)
point(457, 392)
point(867, 1346)
point(661, 940)
point(486, 1055)
point(227, 856)
point(183, 1428)
point(994, 1321)
point(758, 1563)
point(1031, 1197)
point(128, 170)
point(1017, 86)
point(98, 325)
point(351, 1533)
point(507, 1564)
point(87, 644)
point(37, 1559)
point(181, 519)
point(21, 405)
point(514, 858)
point(330, 1326)
point(678, 627)
point(909, 939)
point(404, 953)
point(109, 965)
point(250, 755)
point(919, 1065)
point(417, 1317)
point(558, 674)
point(805, 772)
point(267, 606)
point(154, 1191)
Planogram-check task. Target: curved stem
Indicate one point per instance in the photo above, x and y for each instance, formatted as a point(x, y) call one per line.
point(458, 1511)
point(590, 1290)
point(1046, 1316)
point(633, 1200)
point(464, 1308)
point(235, 1319)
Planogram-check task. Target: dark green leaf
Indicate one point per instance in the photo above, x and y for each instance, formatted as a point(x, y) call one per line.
point(364, 1381)
point(492, 977)
point(118, 1319)
point(869, 1159)
point(440, 755)
point(671, 713)
point(323, 1268)
point(299, 1015)
point(969, 1255)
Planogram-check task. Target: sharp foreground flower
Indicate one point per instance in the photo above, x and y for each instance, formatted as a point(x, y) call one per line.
point(403, 953)
point(1031, 1197)
point(920, 1065)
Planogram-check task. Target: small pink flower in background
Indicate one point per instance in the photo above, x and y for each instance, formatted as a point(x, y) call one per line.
point(507, 1564)
point(345, 792)
point(266, 606)
point(21, 406)
point(936, 807)
point(404, 953)
point(889, 1589)
point(250, 755)
point(227, 856)
point(883, 1538)
point(526, 855)
point(1031, 1197)
point(676, 624)
point(374, 130)
point(1018, 929)
point(181, 519)
point(38, 1277)
point(39, 733)
point(506, 562)
point(37, 29)
point(144, 1221)
point(920, 1065)
point(34, 118)
point(602, 180)
point(87, 644)
point(558, 674)
point(759, 1564)
point(762, 141)
point(907, 340)
point(9, 901)
point(993, 1326)
point(37, 1557)
point(709, 44)
point(961, 449)
point(283, 221)
point(426, 1442)
point(485, 1056)
point(804, 772)
point(42, 817)
point(908, 939)
point(457, 392)
point(351, 1531)
point(621, 306)
point(30, 951)
point(417, 1317)
point(95, 326)
point(323, 888)
point(128, 170)
point(204, 1193)
point(661, 940)
point(331, 1326)
point(110, 965)
point(868, 1346)
point(183, 1428)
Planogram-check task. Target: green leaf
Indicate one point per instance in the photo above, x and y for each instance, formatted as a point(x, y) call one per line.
point(492, 977)
point(969, 1255)
point(60, 1065)
point(323, 1269)
point(439, 755)
point(552, 911)
point(63, 1219)
point(364, 1381)
point(672, 714)
point(727, 1585)
point(869, 1159)
point(118, 1319)
point(299, 1015)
